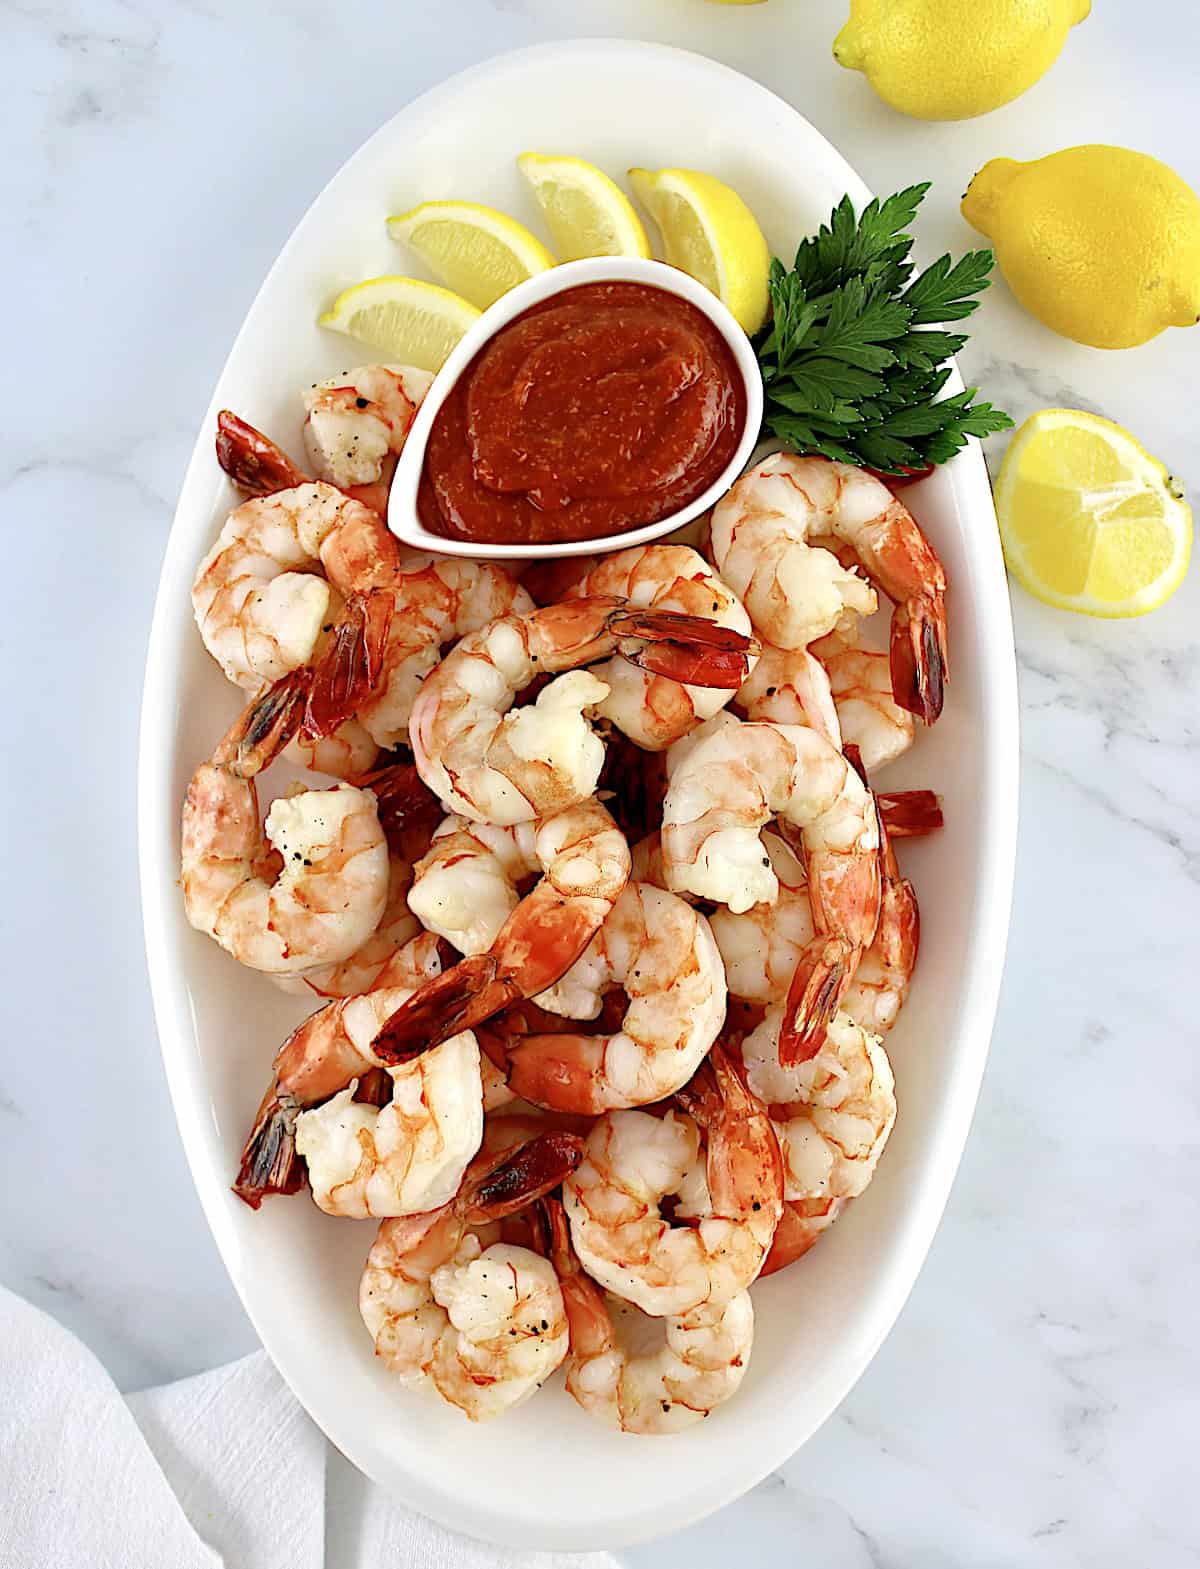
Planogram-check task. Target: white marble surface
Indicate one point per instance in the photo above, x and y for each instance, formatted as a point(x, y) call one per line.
point(1038, 1401)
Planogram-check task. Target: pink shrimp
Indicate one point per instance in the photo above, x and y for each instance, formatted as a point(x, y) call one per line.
point(764, 541)
point(585, 863)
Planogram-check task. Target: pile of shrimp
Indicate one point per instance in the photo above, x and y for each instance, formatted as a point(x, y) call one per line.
point(596, 902)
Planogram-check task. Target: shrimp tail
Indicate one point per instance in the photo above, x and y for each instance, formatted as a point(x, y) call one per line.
point(588, 1317)
point(538, 1221)
point(269, 1160)
point(907, 814)
point(464, 996)
point(684, 648)
point(253, 462)
point(716, 1088)
point(352, 666)
point(818, 984)
point(264, 727)
point(919, 660)
point(558, 1237)
point(374, 1088)
point(560, 1251)
point(800, 1226)
point(533, 1171)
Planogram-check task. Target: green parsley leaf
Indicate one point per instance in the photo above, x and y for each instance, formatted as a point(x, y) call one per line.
point(853, 358)
point(942, 291)
point(848, 246)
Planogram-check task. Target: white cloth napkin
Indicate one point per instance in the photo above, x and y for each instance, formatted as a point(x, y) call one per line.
point(223, 1469)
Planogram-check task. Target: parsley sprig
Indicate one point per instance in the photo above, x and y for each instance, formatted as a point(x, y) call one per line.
point(853, 359)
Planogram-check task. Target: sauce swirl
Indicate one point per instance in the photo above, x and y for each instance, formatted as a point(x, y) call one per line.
point(604, 408)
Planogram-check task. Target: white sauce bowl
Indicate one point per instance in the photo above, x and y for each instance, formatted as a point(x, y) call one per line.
point(402, 501)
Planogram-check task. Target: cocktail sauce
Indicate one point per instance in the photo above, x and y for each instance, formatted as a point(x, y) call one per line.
point(604, 408)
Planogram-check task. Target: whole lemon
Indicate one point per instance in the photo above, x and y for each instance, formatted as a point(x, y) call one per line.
point(952, 59)
point(1100, 243)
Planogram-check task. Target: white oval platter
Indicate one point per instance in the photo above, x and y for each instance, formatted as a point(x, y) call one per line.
point(548, 1475)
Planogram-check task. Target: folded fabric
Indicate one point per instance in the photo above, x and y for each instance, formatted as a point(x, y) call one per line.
point(223, 1469)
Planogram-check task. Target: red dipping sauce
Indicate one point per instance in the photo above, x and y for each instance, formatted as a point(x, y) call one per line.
point(604, 408)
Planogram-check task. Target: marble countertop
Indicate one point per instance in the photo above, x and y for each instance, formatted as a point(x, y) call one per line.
point(1037, 1402)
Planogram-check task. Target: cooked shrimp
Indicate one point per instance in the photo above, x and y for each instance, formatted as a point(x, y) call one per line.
point(291, 524)
point(408, 814)
point(651, 709)
point(759, 540)
point(869, 716)
point(633, 1160)
point(727, 787)
point(585, 864)
point(481, 1320)
point(762, 540)
point(701, 1364)
point(661, 953)
point(408, 1156)
point(361, 971)
point(355, 426)
point(495, 765)
point(790, 686)
point(320, 1057)
point(845, 695)
point(345, 753)
point(259, 595)
point(314, 889)
point(356, 421)
point(465, 887)
point(833, 1113)
point(372, 666)
point(762, 946)
point(437, 600)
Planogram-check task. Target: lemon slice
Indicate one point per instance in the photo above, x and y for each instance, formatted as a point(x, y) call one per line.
point(1089, 520)
point(405, 320)
point(710, 233)
point(477, 251)
point(586, 212)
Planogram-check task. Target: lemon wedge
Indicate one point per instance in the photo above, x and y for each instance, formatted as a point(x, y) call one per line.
point(587, 213)
point(476, 251)
point(405, 320)
point(1089, 520)
point(709, 233)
